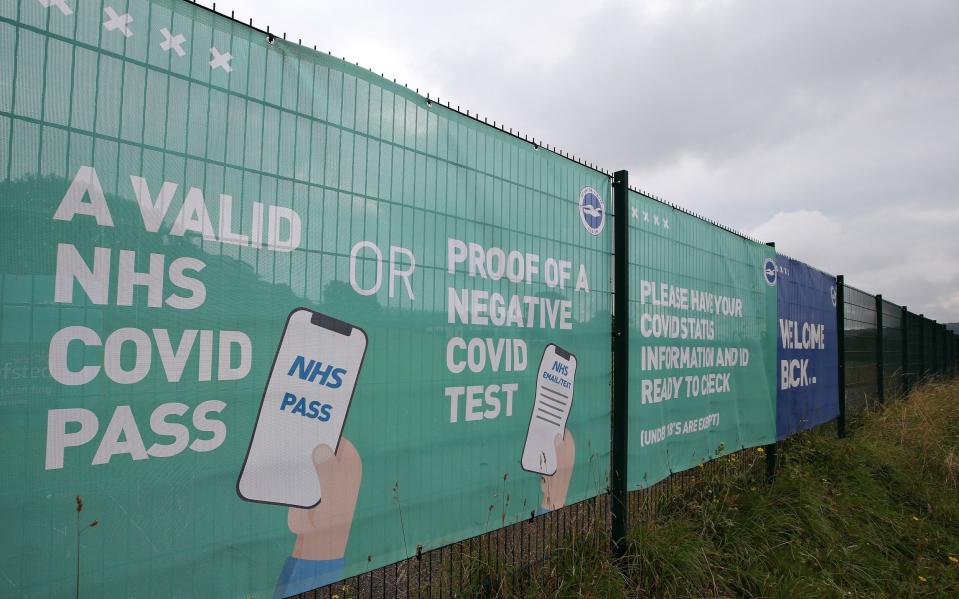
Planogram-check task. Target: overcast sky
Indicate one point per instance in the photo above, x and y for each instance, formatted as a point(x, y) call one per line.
point(831, 128)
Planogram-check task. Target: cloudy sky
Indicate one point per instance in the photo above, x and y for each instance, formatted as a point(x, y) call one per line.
point(831, 128)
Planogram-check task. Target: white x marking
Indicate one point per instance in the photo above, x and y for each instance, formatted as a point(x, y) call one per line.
point(115, 21)
point(61, 4)
point(656, 219)
point(634, 212)
point(172, 42)
point(645, 216)
point(221, 61)
point(665, 223)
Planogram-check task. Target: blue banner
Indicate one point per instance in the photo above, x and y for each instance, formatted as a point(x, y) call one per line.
point(808, 373)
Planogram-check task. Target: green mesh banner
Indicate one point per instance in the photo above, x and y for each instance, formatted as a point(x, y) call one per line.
point(275, 320)
point(702, 342)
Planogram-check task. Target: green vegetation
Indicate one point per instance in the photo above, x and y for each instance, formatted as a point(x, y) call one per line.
point(873, 515)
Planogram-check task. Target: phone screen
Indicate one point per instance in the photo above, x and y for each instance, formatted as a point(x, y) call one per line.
point(551, 406)
point(304, 405)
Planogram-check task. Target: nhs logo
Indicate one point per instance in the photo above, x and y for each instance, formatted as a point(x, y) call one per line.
point(317, 372)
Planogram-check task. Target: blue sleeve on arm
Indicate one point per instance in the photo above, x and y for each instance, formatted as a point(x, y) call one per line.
point(301, 575)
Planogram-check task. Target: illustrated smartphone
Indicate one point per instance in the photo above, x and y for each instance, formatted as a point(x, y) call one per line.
point(551, 406)
point(304, 405)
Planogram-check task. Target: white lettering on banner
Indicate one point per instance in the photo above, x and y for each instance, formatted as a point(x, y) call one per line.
point(683, 427)
point(71, 267)
point(78, 355)
point(283, 226)
point(505, 355)
point(658, 319)
point(671, 296)
point(85, 183)
point(193, 217)
point(582, 281)
point(230, 344)
point(484, 307)
point(479, 307)
point(804, 336)
point(515, 266)
point(152, 211)
point(95, 281)
point(122, 434)
point(396, 271)
point(144, 278)
point(121, 425)
point(658, 390)
point(174, 361)
point(795, 373)
point(675, 327)
point(395, 253)
point(58, 439)
point(160, 426)
point(481, 402)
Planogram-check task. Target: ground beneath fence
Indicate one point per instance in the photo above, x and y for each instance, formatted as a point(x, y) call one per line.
point(872, 515)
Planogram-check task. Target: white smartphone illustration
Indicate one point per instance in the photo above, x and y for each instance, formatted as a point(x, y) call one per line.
point(551, 406)
point(304, 405)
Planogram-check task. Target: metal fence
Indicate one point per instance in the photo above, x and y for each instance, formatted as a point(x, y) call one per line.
point(893, 365)
point(887, 350)
point(883, 348)
point(860, 325)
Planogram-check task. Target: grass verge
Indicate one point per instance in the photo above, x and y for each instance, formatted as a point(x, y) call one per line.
point(873, 515)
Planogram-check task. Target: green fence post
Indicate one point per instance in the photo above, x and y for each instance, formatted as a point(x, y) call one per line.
point(935, 346)
point(945, 349)
point(772, 447)
point(880, 364)
point(943, 335)
point(952, 351)
point(941, 352)
point(841, 349)
point(620, 429)
point(952, 356)
point(921, 371)
point(905, 349)
point(955, 352)
point(942, 342)
point(940, 349)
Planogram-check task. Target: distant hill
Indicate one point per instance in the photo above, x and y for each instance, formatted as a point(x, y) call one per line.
point(953, 326)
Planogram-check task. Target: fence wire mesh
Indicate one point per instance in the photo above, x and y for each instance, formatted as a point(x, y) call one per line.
point(860, 351)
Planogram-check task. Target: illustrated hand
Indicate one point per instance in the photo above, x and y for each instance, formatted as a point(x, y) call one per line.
point(556, 486)
point(322, 531)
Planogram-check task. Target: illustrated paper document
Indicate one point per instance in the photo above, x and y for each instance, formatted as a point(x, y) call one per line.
point(551, 406)
point(304, 405)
